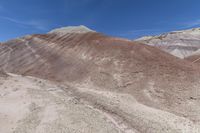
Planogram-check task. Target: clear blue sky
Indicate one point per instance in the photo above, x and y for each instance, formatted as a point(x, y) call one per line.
point(123, 18)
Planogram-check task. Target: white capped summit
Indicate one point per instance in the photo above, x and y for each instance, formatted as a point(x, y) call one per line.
point(72, 29)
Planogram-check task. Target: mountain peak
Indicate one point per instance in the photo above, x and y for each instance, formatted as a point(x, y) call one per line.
point(72, 29)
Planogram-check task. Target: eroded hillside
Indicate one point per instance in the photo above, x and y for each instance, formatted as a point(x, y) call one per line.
point(135, 85)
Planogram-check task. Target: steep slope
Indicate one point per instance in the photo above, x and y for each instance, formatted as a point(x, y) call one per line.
point(160, 84)
point(179, 43)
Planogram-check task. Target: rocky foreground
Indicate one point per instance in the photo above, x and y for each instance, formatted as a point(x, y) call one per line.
point(31, 105)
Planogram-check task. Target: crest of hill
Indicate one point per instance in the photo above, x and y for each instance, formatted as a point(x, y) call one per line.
point(71, 29)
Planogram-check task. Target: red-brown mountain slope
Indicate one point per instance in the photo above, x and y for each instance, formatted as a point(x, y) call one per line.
point(96, 61)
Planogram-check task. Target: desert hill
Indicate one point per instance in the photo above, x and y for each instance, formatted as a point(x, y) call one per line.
point(178, 43)
point(142, 86)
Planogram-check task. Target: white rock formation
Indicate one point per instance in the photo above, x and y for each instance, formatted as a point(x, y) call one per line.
point(179, 43)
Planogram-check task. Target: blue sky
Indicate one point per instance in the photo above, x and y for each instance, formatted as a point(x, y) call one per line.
point(123, 18)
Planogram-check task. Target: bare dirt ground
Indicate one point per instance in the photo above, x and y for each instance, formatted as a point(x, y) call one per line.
point(31, 105)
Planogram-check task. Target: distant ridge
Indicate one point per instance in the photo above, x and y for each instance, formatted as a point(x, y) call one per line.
point(178, 43)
